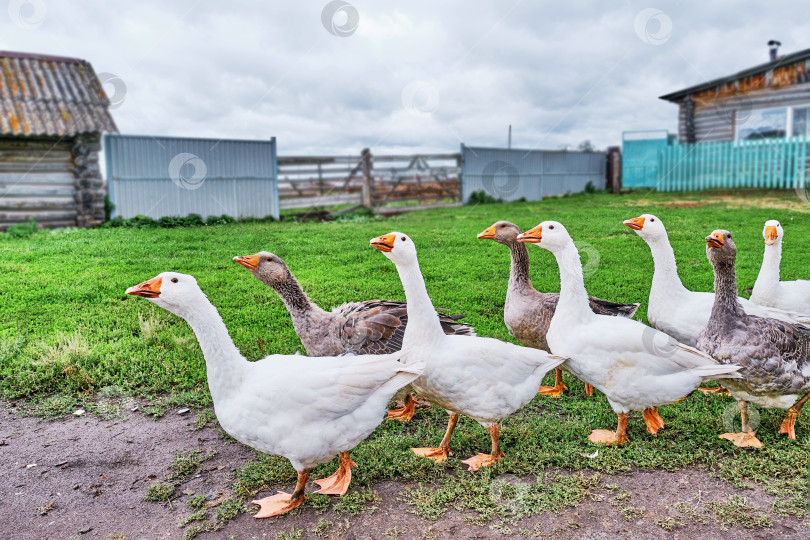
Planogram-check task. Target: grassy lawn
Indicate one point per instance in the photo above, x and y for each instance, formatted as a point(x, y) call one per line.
point(68, 334)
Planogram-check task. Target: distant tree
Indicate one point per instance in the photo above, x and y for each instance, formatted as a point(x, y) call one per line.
point(586, 146)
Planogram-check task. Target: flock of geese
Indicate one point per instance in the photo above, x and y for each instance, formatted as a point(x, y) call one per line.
point(361, 355)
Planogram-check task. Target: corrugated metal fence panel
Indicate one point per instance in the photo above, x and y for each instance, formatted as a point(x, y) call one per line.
point(167, 176)
point(763, 163)
point(531, 174)
point(640, 151)
point(37, 181)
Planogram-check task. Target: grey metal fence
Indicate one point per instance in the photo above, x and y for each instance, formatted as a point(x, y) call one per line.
point(533, 174)
point(170, 176)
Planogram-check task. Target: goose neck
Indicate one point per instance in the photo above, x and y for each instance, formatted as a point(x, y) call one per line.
point(665, 272)
point(223, 361)
point(423, 324)
point(768, 275)
point(519, 271)
point(573, 296)
point(294, 297)
point(726, 306)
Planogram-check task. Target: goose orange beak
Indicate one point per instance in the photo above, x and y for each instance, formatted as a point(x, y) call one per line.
point(770, 235)
point(147, 289)
point(715, 240)
point(637, 223)
point(532, 236)
point(384, 243)
point(249, 261)
point(488, 234)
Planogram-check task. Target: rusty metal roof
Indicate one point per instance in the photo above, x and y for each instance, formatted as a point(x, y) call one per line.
point(51, 95)
point(788, 70)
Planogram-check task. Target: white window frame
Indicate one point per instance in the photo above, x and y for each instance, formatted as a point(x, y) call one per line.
point(789, 110)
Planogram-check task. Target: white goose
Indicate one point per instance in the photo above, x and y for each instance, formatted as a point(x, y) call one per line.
point(483, 378)
point(618, 356)
point(768, 290)
point(673, 308)
point(305, 409)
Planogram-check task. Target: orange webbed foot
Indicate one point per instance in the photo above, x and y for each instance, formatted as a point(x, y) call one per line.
point(276, 504)
point(552, 391)
point(788, 426)
point(589, 389)
point(482, 460)
point(338, 483)
point(605, 436)
point(743, 439)
point(653, 420)
point(437, 455)
point(404, 413)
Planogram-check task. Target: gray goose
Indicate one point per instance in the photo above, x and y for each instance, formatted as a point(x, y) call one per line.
point(774, 354)
point(369, 327)
point(527, 312)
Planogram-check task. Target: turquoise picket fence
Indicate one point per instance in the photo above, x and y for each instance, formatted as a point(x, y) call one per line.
point(762, 163)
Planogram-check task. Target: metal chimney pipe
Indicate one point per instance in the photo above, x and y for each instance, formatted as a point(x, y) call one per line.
point(773, 49)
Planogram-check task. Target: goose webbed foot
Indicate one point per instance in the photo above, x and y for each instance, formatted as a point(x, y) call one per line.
point(789, 423)
point(604, 436)
point(743, 439)
point(283, 502)
point(338, 483)
point(558, 388)
point(653, 420)
point(404, 413)
point(486, 460)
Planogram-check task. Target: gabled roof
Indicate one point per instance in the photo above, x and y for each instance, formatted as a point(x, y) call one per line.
point(51, 95)
point(796, 68)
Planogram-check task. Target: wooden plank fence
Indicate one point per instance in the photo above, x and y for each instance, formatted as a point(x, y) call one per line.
point(764, 163)
point(386, 183)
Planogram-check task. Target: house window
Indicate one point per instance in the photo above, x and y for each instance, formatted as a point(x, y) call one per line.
point(762, 124)
point(801, 121)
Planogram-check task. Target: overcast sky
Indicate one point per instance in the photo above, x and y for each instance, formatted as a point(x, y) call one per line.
point(334, 77)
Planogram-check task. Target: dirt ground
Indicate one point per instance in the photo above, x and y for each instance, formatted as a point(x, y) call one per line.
point(86, 478)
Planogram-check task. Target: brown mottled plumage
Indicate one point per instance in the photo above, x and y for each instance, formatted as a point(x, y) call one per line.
point(370, 327)
point(774, 354)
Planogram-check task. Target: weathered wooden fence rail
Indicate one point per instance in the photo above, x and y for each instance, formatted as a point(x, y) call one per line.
point(382, 182)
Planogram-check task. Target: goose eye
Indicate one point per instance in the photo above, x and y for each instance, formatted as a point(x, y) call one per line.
point(503, 225)
point(652, 219)
point(551, 226)
point(728, 235)
point(404, 239)
point(174, 280)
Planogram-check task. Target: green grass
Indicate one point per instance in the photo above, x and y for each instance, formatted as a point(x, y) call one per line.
point(67, 330)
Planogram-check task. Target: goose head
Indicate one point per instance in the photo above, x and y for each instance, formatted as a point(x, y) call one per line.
point(550, 235)
point(720, 248)
point(648, 227)
point(267, 267)
point(772, 232)
point(170, 290)
point(503, 232)
point(397, 246)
